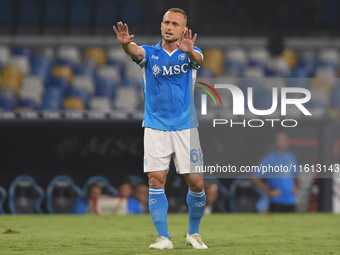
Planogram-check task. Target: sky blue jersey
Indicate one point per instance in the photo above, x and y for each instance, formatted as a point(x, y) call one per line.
point(281, 180)
point(168, 86)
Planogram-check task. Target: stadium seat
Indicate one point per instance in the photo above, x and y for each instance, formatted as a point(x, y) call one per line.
point(25, 196)
point(214, 60)
point(104, 183)
point(235, 61)
point(85, 71)
point(84, 83)
point(32, 88)
point(63, 72)
point(71, 53)
point(109, 72)
point(126, 98)
point(96, 53)
point(22, 62)
point(64, 62)
point(7, 93)
point(258, 57)
point(47, 52)
point(100, 103)
point(7, 104)
point(61, 195)
point(133, 74)
point(307, 62)
point(118, 55)
point(75, 103)
point(81, 94)
point(5, 54)
point(59, 83)
point(223, 194)
point(41, 66)
point(11, 78)
point(277, 67)
point(106, 13)
point(52, 99)
point(22, 51)
point(24, 104)
point(289, 56)
point(3, 196)
point(243, 196)
point(329, 57)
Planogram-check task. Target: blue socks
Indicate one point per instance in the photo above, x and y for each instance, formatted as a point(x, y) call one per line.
point(196, 203)
point(158, 206)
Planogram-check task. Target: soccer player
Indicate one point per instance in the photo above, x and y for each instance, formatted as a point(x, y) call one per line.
point(282, 187)
point(170, 120)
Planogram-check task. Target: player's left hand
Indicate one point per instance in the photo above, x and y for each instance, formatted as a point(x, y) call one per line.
point(188, 41)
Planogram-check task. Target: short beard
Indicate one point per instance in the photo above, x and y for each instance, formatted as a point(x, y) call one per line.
point(170, 41)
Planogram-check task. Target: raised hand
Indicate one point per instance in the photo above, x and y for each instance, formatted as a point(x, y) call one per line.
point(187, 45)
point(122, 33)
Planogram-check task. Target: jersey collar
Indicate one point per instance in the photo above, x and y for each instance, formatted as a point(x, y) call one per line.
point(159, 47)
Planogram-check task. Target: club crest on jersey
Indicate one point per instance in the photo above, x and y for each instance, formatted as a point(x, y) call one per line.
point(171, 70)
point(181, 56)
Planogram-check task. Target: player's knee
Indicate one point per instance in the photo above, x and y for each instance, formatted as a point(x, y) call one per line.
point(197, 185)
point(156, 182)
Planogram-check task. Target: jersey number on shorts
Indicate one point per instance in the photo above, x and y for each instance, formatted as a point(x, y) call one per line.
point(196, 155)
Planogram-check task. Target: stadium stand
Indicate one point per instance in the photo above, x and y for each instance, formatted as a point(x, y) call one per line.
point(3, 196)
point(96, 77)
point(61, 194)
point(103, 182)
point(25, 196)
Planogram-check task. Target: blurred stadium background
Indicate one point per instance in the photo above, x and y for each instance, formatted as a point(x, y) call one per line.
point(71, 102)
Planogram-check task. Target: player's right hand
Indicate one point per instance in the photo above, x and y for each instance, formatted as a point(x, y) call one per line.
point(275, 193)
point(123, 33)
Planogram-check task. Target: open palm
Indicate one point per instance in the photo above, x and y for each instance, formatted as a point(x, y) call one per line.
point(122, 33)
point(188, 42)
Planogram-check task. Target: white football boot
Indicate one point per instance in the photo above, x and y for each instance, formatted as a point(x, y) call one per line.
point(162, 243)
point(195, 241)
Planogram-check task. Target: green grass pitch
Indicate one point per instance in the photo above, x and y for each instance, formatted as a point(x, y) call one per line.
point(224, 234)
